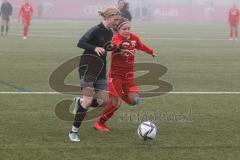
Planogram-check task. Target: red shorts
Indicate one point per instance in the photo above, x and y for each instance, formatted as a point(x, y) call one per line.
point(118, 86)
point(26, 20)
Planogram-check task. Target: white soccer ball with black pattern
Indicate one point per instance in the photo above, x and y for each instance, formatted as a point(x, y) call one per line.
point(147, 130)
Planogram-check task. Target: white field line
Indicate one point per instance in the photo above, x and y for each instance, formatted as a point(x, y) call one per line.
point(186, 93)
point(151, 38)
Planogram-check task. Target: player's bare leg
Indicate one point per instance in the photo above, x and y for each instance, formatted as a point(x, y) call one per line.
point(2, 27)
point(231, 32)
point(7, 27)
point(25, 31)
point(102, 98)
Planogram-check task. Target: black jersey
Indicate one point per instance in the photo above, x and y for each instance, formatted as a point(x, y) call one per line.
point(6, 9)
point(97, 36)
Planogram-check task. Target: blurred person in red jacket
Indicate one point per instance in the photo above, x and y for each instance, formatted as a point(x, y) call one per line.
point(233, 20)
point(25, 13)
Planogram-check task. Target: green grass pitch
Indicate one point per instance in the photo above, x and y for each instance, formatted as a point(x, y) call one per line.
point(199, 58)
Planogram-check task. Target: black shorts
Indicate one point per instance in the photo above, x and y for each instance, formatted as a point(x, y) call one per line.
point(5, 17)
point(92, 72)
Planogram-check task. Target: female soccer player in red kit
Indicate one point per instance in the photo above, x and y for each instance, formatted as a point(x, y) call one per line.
point(26, 12)
point(233, 19)
point(121, 84)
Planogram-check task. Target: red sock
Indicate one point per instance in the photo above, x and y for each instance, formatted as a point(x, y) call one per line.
point(108, 113)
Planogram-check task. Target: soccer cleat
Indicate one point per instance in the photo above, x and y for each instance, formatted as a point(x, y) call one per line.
point(101, 127)
point(76, 100)
point(24, 37)
point(74, 137)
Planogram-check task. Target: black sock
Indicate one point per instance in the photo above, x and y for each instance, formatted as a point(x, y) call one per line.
point(94, 103)
point(80, 115)
point(7, 28)
point(2, 29)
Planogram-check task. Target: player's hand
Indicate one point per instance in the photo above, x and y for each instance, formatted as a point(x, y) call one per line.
point(154, 55)
point(100, 51)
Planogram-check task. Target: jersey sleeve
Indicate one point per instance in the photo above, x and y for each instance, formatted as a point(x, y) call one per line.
point(141, 46)
point(86, 38)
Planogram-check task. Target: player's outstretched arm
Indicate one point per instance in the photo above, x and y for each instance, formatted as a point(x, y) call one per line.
point(141, 46)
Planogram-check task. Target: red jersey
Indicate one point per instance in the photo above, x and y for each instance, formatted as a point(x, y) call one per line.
point(26, 10)
point(122, 63)
point(233, 16)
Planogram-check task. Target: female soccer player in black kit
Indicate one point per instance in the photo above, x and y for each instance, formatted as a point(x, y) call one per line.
point(92, 68)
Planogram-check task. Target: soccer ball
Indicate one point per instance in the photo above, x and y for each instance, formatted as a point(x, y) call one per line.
point(147, 130)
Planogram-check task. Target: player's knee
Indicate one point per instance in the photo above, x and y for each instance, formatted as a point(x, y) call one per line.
point(87, 102)
point(102, 102)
